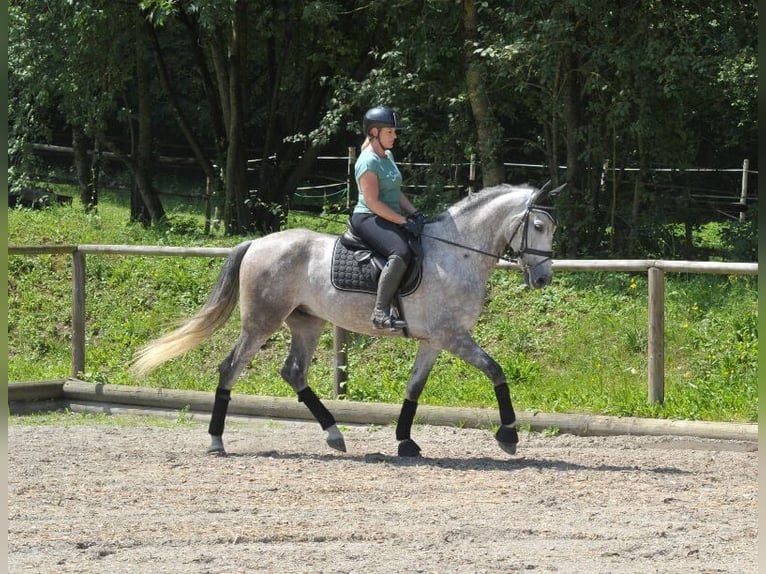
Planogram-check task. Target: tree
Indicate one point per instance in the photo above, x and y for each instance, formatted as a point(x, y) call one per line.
point(258, 88)
point(78, 59)
point(307, 72)
point(635, 84)
point(488, 129)
point(141, 164)
point(268, 68)
point(55, 50)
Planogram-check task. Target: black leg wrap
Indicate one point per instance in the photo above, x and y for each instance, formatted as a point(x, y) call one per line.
point(321, 414)
point(507, 416)
point(406, 418)
point(220, 406)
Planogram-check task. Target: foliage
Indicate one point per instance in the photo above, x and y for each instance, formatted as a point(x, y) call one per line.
point(70, 65)
point(741, 239)
point(577, 346)
point(594, 86)
point(649, 81)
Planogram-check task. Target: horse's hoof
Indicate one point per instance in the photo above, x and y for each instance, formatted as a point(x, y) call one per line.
point(337, 444)
point(509, 447)
point(216, 446)
point(335, 439)
point(409, 448)
point(507, 438)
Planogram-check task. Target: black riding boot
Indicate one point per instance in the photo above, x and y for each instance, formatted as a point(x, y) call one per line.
point(390, 278)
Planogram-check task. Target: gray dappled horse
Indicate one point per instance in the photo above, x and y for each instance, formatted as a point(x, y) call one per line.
point(285, 278)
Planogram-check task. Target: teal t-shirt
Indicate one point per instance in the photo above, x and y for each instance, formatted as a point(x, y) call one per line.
point(389, 179)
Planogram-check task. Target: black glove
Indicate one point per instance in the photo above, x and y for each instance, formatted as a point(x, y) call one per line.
point(415, 223)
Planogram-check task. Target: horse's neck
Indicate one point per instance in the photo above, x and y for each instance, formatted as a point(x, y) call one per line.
point(490, 224)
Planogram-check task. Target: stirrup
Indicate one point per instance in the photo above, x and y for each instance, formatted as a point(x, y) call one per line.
point(390, 323)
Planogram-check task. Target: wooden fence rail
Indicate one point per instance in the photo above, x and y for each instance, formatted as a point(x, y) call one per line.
point(655, 268)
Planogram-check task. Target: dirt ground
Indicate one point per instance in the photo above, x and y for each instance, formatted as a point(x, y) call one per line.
point(140, 499)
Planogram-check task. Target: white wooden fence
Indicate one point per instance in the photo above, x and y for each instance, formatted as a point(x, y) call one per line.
point(655, 268)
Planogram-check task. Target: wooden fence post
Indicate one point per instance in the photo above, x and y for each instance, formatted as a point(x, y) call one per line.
point(656, 335)
point(78, 312)
point(743, 194)
point(208, 205)
point(350, 179)
point(340, 346)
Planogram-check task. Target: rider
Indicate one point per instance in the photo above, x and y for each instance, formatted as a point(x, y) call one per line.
point(384, 215)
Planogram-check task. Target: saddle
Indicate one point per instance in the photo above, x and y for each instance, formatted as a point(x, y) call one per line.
point(356, 267)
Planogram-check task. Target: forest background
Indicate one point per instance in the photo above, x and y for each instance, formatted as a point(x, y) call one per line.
point(616, 100)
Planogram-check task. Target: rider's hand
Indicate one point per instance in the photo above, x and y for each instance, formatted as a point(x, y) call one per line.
point(419, 218)
point(414, 224)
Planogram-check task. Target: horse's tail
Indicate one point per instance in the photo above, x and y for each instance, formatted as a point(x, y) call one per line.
point(196, 329)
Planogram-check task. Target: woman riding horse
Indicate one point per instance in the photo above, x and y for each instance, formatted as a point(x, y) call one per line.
point(384, 215)
point(285, 279)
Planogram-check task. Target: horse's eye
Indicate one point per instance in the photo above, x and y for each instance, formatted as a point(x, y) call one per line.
point(539, 225)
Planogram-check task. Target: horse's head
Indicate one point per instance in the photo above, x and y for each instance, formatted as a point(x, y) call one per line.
point(532, 241)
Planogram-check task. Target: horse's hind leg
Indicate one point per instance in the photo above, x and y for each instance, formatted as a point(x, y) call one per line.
point(424, 362)
point(305, 332)
point(467, 349)
point(244, 350)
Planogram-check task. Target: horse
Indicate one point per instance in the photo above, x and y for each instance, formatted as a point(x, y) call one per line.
point(285, 278)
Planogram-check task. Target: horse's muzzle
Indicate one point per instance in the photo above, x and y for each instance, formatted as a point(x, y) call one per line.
point(538, 280)
point(541, 282)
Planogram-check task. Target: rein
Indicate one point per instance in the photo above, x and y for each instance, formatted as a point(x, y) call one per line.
point(514, 255)
point(467, 248)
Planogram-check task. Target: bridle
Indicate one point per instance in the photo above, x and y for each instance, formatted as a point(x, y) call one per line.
point(524, 249)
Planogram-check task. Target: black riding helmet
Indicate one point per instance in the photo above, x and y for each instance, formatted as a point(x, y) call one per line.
point(381, 117)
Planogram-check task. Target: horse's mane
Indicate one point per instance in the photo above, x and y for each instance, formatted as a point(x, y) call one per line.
point(479, 198)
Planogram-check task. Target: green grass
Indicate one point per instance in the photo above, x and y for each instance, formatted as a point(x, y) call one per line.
point(577, 346)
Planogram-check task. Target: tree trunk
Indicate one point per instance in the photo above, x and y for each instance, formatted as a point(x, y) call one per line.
point(279, 162)
point(183, 122)
point(142, 159)
point(138, 211)
point(212, 95)
point(237, 214)
point(215, 86)
point(83, 169)
point(572, 121)
point(578, 214)
point(488, 130)
point(95, 171)
point(638, 192)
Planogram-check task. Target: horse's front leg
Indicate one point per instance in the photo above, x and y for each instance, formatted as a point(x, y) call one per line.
point(424, 362)
point(467, 349)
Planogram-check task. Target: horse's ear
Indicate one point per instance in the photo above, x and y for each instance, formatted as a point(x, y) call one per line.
point(555, 192)
point(538, 194)
point(543, 192)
